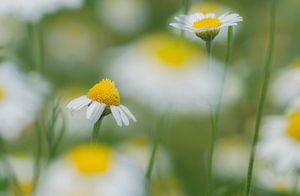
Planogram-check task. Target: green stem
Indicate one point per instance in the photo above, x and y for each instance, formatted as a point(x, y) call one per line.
point(41, 52)
point(295, 188)
point(37, 164)
point(263, 95)
point(186, 6)
point(209, 52)
point(96, 130)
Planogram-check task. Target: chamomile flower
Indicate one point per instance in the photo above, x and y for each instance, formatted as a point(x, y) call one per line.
point(92, 170)
point(206, 26)
point(21, 97)
point(103, 97)
point(231, 158)
point(286, 87)
point(280, 141)
point(34, 10)
point(172, 74)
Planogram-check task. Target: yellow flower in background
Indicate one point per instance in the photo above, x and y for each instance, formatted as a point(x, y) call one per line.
point(101, 97)
point(172, 75)
point(206, 26)
point(92, 170)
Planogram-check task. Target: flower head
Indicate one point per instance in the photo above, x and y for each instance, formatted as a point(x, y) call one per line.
point(102, 99)
point(205, 26)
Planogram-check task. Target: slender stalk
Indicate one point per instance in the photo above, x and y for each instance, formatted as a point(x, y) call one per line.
point(41, 52)
point(295, 188)
point(263, 95)
point(37, 164)
point(96, 130)
point(186, 6)
point(209, 52)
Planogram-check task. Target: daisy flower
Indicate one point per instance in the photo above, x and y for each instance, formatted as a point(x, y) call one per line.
point(206, 26)
point(34, 10)
point(102, 99)
point(92, 170)
point(21, 97)
point(286, 86)
point(172, 74)
point(280, 141)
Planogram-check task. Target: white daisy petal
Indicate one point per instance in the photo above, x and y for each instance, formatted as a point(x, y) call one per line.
point(78, 103)
point(116, 114)
point(127, 112)
point(123, 117)
point(94, 111)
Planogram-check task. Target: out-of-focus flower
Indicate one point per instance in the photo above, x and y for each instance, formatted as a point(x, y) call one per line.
point(133, 17)
point(206, 26)
point(21, 97)
point(286, 87)
point(169, 74)
point(280, 141)
point(23, 166)
point(231, 158)
point(73, 39)
point(34, 10)
point(101, 97)
point(92, 170)
point(270, 179)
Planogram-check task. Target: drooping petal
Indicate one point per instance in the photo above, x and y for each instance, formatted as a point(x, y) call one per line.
point(127, 112)
point(94, 111)
point(116, 114)
point(78, 103)
point(123, 117)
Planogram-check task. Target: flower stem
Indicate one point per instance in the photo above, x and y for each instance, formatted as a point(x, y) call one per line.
point(209, 52)
point(295, 188)
point(263, 95)
point(37, 164)
point(186, 6)
point(96, 130)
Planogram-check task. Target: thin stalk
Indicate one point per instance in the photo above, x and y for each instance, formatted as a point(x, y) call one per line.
point(96, 130)
point(156, 142)
point(295, 188)
point(213, 128)
point(40, 51)
point(186, 6)
point(37, 164)
point(263, 95)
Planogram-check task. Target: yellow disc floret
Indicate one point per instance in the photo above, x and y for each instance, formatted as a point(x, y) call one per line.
point(294, 126)
point(207, 23)
point(91, 159)
point(105, 92)
point(1, 93)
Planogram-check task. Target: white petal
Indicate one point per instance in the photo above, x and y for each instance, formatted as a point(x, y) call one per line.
point(123, 117)
point(78, 103)
point(94, 111)
point(127, 111)
point(116, 114)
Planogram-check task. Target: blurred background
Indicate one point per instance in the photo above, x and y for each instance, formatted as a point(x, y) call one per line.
point(51, 54)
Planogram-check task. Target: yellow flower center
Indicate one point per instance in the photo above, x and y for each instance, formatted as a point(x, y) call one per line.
point(105, 92)
point(172, 52)
point(207, 23)
point(26, 189)
point(294, 126)
point(2, 94)
point(91, 159)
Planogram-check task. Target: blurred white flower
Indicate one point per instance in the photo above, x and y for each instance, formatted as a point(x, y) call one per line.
point(231, 158)
point(280, 142)
point(268, 178)
point(21, 97)
point(131, 18)
point(92, 170)
point(168, 74)
point(101, 97)
point(286, 87)
point(34, 10)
